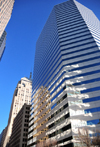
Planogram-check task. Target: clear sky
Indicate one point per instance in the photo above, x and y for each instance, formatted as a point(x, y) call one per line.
point(23, 29)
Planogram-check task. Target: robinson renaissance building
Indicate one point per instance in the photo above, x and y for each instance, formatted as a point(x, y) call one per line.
point(66, 78)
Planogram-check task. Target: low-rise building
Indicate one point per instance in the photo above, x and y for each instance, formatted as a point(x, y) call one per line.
point(2, 136)
point(20, 128)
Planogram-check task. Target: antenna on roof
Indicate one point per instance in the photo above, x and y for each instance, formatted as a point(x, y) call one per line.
point(30, 75)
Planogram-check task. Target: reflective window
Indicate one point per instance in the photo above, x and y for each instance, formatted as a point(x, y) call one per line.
point(65, 26)
point(92, 110)
point(70, 35)
point(77, 41)
point(31, 99)
point(87, 81)
point(57, 79)
point(91, 99)
point(90, 90)
point(84, 74)
point(53, 106)
point(79, 45)
point(87, 66)
point(92, 52)
point(56, 95)
point(93, 122)
point(74, 29)
point(31, 109)
point(58, 86)
point(31, 114)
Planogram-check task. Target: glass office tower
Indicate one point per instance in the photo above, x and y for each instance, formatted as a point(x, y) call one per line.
point(2, 43)
point(6, 7)
point(66, 78)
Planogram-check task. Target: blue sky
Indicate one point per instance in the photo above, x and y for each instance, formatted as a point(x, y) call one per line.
point(23, 29)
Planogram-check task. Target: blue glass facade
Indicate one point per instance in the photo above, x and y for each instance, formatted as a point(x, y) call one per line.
point(66, 78)
point(46, 59)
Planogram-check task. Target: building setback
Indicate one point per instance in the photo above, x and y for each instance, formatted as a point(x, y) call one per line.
point(20, 128)
point(22, 95)
point(66, 78)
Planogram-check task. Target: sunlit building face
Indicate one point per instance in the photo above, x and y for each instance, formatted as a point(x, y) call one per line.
point(66, 78)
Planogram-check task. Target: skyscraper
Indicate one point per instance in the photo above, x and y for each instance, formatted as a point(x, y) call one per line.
point(6, 7)
point(2, 43)
point(66, 78)
point(22, 95)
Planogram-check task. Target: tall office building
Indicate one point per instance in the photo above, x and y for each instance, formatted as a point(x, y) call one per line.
point(22, 95)
point(2, 44)
point(6, 7)
point(66, 78)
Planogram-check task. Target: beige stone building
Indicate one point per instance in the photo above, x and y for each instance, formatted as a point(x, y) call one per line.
point(22, 95)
